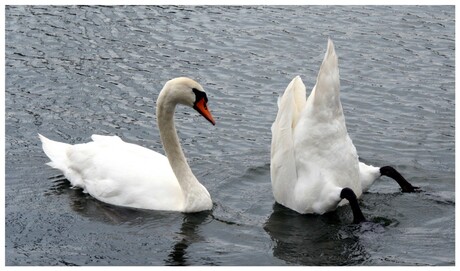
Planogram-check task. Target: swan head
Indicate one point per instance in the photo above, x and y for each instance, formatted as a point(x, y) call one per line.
point(183, 90)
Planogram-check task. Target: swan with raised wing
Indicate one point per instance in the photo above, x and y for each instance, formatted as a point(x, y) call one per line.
point(314, 164)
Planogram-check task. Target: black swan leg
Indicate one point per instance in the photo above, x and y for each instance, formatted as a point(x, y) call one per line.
point(394, 174)
point(349, 195)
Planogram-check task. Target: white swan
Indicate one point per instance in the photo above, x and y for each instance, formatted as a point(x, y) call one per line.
point(314, 164)
point(126, 174)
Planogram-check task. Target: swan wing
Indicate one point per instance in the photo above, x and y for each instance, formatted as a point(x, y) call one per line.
point(283, 166)
point(117, 172)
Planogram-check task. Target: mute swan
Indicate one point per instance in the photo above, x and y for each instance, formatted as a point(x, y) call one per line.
point(126, 174)
point(314, 164)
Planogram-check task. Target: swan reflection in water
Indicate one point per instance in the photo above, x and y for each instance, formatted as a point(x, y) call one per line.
point(149, 222)
point(189, 234)
point(314, 239)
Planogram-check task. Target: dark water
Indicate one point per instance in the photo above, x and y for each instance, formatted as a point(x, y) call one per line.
point(75, 71)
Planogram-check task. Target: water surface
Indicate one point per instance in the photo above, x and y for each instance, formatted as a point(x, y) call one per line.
point(75, 71)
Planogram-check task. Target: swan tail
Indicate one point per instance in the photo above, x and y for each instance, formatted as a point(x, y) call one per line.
point(59, 153)
point(56, 152)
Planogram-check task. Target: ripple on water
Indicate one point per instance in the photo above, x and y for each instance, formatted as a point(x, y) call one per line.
point(71, 71)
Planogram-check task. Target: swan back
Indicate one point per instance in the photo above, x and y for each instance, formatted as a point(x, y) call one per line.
point(117, 172)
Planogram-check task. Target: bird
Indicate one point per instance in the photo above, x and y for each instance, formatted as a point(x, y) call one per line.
point(314, 165)
point(129, 175)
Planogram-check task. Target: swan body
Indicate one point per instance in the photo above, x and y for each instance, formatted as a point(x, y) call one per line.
point(314, 164)
point(125, 174)
point(312, 156)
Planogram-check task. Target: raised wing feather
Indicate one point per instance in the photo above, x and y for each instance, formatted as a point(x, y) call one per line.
point(283, 166)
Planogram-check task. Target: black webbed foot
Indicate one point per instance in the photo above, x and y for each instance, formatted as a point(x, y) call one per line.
point(391, 172)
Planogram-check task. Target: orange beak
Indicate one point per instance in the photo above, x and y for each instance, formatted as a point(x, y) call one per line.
point(202, 108)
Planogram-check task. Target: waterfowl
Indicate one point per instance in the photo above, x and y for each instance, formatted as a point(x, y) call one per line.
point(314, 164)
point(124, 174)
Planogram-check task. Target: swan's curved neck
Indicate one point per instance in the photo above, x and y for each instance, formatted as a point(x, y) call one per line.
point(196, 197)
point(171, 144)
